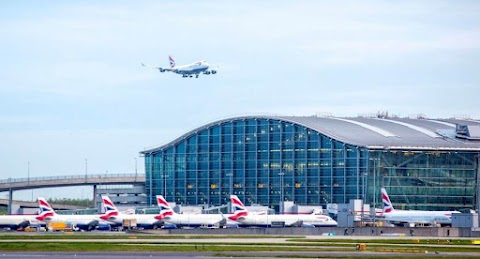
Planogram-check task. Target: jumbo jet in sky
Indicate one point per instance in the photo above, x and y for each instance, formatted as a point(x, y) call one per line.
point(246, 219)
point(188, 220)
point(112, 214)
point(190, 70)
point(83, 222)
point(399, 217)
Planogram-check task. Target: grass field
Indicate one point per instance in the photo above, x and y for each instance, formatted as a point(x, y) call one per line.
point(225, 244)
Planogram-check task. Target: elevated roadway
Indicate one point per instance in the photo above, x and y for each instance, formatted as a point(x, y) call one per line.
point(31, 204)
point(15, 184)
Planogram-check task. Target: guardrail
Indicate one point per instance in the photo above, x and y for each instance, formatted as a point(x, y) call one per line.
point(12, 184)
point(66, 177)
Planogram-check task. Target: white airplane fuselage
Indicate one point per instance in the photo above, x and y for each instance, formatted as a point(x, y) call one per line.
point(289, 220)
point(190, 69)
point(196, 220)
point(16, 221)
point(413, 216)
point(87, 222)
point(420, 217)
point(147, 221)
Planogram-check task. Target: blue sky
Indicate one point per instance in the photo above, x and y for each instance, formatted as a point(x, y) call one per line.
point(72, 87)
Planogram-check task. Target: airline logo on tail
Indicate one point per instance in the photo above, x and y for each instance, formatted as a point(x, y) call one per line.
point(165, 210)
point(110, 208)
point(387, 205)
point(239, 209)
point(172, 62)
point(162, 203)
point(46, 211)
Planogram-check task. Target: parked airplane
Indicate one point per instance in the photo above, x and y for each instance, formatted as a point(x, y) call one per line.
point(245, 219)
point(188, 220)
point(48, 214)
point(15, 222)
point(113, 215)
point(190, 70)
point(399, 217)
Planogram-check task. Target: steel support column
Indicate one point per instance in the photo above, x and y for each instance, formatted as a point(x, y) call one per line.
point(478, 187)
point(10, 198)
point(95, 198)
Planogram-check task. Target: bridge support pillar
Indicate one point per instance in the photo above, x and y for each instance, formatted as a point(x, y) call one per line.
point(95, 198)
point(10, 198)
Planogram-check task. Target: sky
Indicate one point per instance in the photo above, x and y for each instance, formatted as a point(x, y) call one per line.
point(74, 98)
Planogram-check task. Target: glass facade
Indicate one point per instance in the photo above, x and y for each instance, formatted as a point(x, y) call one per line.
point(427, 180)
point(265, 161)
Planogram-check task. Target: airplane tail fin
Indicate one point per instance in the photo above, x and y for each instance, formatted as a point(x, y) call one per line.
point(110, 208)
point(165, 209)
point(239, 210)
point(46, 211)
point(172, 61)
point(387, 204)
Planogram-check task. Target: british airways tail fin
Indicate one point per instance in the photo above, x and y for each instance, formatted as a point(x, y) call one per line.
point(387, 204)
point(172, 61)
point(237, 203)
point(110, 209)
point(239, 210)
point(165, 209)
point(46, 211)
point(162, 203)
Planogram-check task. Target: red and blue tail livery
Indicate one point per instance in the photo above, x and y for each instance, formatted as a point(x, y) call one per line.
point(162, 203)
point(387, 204)
point(236, 203)
point(239, 210)
point(110, 209)
point(172, 62)
point(46, 211)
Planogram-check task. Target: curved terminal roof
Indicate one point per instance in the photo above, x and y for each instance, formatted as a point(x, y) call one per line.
point(374, 133)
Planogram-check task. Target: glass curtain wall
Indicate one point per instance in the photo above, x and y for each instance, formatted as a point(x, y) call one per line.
point(263, 161)
point(424, 180)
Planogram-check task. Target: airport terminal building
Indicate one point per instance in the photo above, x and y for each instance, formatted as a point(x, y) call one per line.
point(423, 163)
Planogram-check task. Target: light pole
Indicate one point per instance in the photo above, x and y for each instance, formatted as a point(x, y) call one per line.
point(230, 177)
point(28, 173)
point(374, 191)
point(281, 174)
point(165, 176)
point(28, 176)
point(86, 169)
point(135, 168)
point(230, 186)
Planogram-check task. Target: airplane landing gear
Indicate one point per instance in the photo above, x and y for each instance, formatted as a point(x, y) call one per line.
point(196, 76)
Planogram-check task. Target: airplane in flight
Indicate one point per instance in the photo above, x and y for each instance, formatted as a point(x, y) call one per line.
point(245, 219)
point(81, 222)
point(188, 220)
point(412, 217)
point(190, 70)
point(113, 215)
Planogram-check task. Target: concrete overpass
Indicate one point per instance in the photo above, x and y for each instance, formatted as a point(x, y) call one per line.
point(15, 184)
point(31, 204)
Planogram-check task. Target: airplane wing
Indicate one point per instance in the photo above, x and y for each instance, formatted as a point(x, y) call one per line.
point(296, 223)
point(161, 69)
point(240, 219)
point(24, 224)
